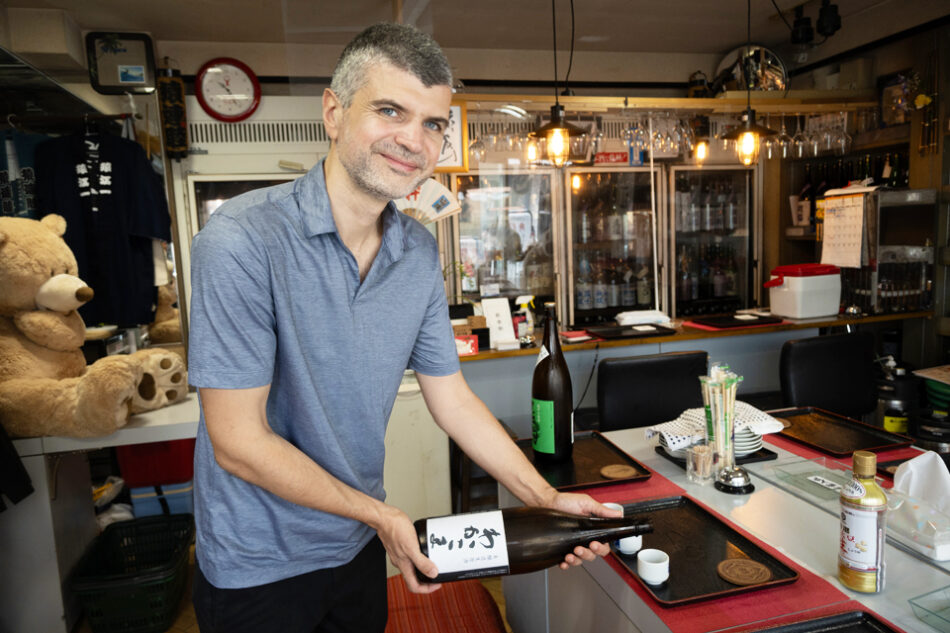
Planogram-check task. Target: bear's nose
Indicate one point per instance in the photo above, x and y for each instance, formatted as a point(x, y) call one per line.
point(84, 294)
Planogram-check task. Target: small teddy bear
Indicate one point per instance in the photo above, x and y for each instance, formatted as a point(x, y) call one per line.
point(46, 388)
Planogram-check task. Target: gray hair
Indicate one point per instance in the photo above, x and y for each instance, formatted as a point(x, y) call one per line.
point(401, 45)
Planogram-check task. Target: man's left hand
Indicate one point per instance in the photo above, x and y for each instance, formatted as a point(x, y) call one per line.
point(582, 505)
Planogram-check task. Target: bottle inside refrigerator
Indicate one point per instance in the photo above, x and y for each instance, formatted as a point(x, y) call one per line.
point(712, 250)
point(506, 241)
point(612, 258)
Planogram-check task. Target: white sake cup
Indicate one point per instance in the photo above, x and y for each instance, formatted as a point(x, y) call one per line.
point(629, 545)
point(653, 566)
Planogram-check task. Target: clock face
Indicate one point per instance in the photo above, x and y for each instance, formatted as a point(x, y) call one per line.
point(227, 89)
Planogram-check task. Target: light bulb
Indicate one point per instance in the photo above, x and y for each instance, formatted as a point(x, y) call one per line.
point(558, 146)
point(701, 152)
point(747, 147)
point(531, 151)
point(575, 183)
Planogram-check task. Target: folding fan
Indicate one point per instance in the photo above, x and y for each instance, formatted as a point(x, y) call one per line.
point(429, 202)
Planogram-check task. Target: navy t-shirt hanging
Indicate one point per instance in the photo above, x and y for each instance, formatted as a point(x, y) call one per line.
point(114, 205)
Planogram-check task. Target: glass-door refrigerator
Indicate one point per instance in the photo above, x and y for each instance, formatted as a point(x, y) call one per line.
point(613, 264)
point(506, 235)
point(712, 244)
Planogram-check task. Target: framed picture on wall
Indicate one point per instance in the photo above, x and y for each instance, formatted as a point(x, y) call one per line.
point(454, 153)
point(893, 98)
point(120, 63)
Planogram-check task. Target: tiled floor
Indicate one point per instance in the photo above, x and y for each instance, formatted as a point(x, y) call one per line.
point(185, 620)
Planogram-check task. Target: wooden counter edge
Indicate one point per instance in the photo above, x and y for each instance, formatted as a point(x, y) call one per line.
point(685, 333)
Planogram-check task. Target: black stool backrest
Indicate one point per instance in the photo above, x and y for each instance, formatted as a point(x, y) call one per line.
point(833, 372)
point(645, 390)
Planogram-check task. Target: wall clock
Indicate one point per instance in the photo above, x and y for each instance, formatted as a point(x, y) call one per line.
point(227, 89)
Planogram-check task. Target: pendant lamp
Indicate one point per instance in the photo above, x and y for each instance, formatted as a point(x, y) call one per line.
point(748, 134)
point(557, 132)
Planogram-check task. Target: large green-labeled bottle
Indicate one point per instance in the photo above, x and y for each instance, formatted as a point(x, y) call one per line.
point(552, 399)
point(513, 540)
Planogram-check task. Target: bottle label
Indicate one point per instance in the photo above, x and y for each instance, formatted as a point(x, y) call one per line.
point(542, 426)
point(854, 490)
point(895, 424)
point(468, 545)
point(860, 538)
point(544, 353)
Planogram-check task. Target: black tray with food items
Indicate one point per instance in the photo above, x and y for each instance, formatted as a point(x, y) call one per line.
point(833, 433)
point(595, 461)
point(850, 622)
point(761, 455)
point(697, 541)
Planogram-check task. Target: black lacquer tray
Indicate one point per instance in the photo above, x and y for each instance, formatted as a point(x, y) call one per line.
point(629, 331)
point(696, 541)
point(761, 455)
point(851, 622)
point(592, 451)
point(733, 321)
point(835, 434)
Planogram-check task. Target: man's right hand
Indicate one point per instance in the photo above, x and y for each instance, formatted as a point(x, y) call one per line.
point(398, 536)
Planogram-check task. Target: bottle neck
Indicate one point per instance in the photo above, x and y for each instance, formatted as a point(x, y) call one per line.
point(551, 339)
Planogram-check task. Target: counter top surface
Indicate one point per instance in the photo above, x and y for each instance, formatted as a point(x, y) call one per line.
point(805, 532)
point(686, 333)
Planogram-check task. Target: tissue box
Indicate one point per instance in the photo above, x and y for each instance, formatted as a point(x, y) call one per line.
point(804, 291)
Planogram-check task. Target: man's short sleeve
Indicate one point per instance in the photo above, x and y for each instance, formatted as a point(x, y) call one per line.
point(232, 338)
point(434, 351)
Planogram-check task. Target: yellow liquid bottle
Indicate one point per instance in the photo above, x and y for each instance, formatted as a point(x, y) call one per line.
point(863, 516)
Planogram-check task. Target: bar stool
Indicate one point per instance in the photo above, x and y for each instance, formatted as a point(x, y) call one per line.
point(641, 391)
point(833, 372)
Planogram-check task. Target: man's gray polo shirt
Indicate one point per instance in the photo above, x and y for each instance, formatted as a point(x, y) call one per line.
point(276, 300)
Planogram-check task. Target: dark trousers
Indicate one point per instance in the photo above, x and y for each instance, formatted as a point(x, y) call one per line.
point(346, 599)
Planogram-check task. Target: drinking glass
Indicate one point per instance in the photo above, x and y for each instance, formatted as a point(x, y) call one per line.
point(800, 140)
point(477, 149)
point(783, 141)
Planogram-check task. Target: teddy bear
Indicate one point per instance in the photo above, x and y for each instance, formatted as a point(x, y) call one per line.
point(166, 327)
point(46, 387)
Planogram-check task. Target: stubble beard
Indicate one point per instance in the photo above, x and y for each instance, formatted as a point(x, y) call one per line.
point(372, 180)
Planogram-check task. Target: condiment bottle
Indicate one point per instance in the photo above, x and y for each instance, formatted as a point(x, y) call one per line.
point(513, 540)
point(552, 399)
point(863, 516)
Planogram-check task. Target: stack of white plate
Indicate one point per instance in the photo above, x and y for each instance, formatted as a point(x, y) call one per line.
point(746, 442)
point(678, 453)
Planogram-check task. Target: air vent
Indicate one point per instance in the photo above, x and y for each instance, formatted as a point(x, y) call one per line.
point(207, 134)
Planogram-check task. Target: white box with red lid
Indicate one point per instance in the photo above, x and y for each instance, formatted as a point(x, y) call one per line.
point(804, 291)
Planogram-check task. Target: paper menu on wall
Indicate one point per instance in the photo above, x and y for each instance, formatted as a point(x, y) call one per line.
point(844, 241)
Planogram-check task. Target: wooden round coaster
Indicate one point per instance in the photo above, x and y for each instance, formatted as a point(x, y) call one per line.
point(617, 471)
point(742, 571)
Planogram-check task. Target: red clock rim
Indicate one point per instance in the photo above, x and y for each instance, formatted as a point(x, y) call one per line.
point(228, 118)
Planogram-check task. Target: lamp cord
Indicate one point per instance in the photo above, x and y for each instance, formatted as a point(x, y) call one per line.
point(570, 61)
point(748, 43)
point(781, 15)
point(554, 37)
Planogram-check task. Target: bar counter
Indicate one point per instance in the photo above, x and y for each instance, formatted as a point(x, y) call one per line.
point(602, 595)
point(687, 333)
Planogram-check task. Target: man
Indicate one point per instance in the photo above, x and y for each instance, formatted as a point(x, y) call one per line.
point(309, 301)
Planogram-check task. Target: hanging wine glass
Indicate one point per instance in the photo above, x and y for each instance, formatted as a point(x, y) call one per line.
point(770, 143)
point(800, 140)
point(784, 141)
point(477, 149)
point(842, 138)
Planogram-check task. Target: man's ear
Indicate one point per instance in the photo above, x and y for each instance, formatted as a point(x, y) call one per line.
point(332, 113)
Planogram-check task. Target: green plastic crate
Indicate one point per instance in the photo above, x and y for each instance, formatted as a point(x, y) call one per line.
point(132, 577)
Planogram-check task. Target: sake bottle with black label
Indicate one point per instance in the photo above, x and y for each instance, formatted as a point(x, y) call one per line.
point(513, 540)
point(552, 399)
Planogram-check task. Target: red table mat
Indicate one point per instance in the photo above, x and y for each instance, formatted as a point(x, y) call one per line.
point(807, 452)
point(809, 591)
point(811, 614)
point(709, 328)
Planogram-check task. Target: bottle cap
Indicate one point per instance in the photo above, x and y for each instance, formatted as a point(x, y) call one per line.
point(864, 463)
